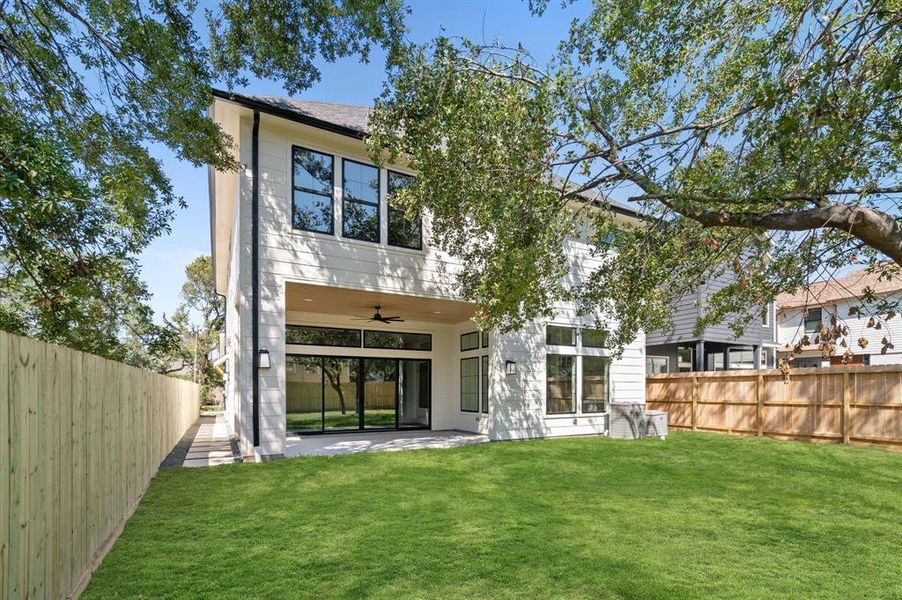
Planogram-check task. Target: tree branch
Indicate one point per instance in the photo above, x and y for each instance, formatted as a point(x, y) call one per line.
point(875, 228)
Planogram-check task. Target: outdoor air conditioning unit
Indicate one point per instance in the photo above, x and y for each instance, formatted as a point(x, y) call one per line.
point(630, 421)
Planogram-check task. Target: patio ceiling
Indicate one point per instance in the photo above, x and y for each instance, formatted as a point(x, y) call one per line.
point(343, 301)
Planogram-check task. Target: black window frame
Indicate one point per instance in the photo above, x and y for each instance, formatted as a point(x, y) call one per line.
point(572, 335)
point(294, 188)
point(478, 377)
point(468, 349)
point(345, 201)
point(485, 339)
point(484, 383)
point(390, 210)
point(807, 318)
point(427, 335)
point(321, 328)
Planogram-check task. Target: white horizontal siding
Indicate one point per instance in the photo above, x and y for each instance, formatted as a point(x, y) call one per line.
point(517, 403)
point(791, 329)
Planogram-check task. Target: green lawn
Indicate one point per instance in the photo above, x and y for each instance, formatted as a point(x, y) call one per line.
point(698, 515)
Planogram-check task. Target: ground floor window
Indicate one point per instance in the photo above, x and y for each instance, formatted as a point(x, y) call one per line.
point(469, 384)
point(685, 359)
point(484, 382)
point(715, 361)
point(741, 359)
point(596, 375)
point(326, 393)
point(657, 364)
point(560, 384)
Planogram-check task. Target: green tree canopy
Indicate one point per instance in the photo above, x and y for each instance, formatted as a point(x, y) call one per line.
point(763, 138)
point(87, 86)
point(196, 323)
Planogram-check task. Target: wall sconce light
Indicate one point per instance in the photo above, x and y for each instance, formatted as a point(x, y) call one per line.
point(510, 367)
point(263, 359)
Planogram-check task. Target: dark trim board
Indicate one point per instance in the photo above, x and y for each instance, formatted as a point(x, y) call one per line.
point(255, 274)
point(285, 113)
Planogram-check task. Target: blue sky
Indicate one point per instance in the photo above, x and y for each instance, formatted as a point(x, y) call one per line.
point(163, 263)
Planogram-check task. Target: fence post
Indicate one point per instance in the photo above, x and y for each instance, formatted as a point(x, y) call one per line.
point(694, 399)
point(759, 409)
point(846, 414)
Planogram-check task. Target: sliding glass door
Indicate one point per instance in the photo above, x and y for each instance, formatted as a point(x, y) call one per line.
point(340, 404)
point(414, 390)
point(380, 393)
point(325, 393)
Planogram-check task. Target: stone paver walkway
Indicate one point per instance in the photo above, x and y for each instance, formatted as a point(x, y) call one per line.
point(211, 445)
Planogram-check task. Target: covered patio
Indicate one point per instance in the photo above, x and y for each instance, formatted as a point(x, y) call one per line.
point(350, 366)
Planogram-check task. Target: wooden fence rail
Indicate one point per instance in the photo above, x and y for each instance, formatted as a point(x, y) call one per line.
point(844, 404)
point(80, 439)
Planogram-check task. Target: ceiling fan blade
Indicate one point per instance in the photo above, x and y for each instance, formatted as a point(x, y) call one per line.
point(394, 320)
point(363, 319)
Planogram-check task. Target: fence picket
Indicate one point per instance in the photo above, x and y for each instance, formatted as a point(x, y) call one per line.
point(851, 405)
point(80, 439)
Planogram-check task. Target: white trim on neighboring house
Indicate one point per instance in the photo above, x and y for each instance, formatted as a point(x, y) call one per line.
point(654, 356)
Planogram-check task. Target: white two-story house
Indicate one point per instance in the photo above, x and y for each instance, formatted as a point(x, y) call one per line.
point(342, 317)
point(802, 312)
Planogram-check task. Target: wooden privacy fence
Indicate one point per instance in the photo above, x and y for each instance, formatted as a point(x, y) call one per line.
point(838, 404)
point(80, 439)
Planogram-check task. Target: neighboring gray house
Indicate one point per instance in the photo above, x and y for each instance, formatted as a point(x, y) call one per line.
point(716, 349)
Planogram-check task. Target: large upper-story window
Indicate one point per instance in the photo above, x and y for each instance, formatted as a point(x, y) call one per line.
point(403, 232)
point(312, 192)
point(360, 206)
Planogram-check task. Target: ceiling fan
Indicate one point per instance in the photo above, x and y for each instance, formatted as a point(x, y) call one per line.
point(378, 317)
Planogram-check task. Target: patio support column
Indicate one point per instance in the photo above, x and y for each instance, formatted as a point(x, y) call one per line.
point(756, 353)
point(700, 355)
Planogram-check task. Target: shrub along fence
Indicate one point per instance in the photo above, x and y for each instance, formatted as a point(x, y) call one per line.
point(80, 439)
point(837, 404)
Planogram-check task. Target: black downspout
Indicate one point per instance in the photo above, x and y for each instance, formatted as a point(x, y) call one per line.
point(255, 271)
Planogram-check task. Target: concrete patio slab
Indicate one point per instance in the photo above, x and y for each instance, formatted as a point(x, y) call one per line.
point(377, 441)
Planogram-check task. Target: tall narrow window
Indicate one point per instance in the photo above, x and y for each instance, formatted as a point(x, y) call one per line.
point(360, 206)
point(469, 384)
point(596, 374)
point(403, 232)
point(312, 194)
point(560, 384)
point(485, 384)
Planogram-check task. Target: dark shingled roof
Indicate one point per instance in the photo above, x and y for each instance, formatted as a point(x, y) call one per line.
point(353, 120)
point(351, 116)
point(346, 119)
